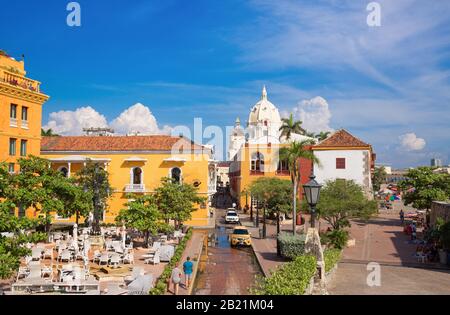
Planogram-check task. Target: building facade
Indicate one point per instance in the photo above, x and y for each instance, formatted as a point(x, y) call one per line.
point(343, 156)
point(255, 151)
point(136, 164)
point(21, 101)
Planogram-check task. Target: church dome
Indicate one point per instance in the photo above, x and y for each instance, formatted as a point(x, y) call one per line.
point(264, 111)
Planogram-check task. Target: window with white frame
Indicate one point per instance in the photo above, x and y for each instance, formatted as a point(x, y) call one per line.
point(257, 162)
point(175, 174)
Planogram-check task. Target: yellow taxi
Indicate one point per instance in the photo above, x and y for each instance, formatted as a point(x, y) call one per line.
point(240, 237)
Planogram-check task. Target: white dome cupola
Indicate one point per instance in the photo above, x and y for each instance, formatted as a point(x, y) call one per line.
point(264, 112)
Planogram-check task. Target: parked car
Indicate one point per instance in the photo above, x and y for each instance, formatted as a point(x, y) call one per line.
point(232, 216)
point(240, 237)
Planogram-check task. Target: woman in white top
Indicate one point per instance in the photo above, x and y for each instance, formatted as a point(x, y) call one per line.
point(176, 278)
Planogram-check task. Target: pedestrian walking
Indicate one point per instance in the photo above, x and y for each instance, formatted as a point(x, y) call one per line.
point(176, 278)
point(188, 268)
point(402, 216)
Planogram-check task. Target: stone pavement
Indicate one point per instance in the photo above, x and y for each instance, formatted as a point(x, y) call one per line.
point(266, 249)
point(382, 240)
point(193, 250)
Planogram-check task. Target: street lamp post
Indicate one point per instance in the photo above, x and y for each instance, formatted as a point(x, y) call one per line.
point(257, 213)
point(312, 194)
point(264, 221)
point(312, 243)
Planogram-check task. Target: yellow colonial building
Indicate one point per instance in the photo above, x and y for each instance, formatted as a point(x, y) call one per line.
point(136, 165)
point(21, 112)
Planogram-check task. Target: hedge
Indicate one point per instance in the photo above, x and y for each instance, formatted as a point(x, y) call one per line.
point(331, 257)
point(292, 278)
point(291, 246)
point(161, 284)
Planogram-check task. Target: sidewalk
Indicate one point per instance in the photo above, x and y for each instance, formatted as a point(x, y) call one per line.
point(193, 249)
point(265, 249)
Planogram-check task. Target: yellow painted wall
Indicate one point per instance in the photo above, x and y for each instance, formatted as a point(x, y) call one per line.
point(22, 98)
point(270, 167)
point(194, 169)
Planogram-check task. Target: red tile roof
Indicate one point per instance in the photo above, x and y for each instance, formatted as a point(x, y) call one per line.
point(341, 138)
point(116, 143)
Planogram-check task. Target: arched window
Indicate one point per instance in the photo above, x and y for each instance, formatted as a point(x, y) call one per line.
point(257, 163)
point(175, 174)
point(64, 171)
point(137, 176)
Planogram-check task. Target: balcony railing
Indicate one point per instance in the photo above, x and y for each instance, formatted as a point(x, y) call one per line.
point(135, 188)
point(256, 172)
point(19, 81)
point(24, 124)
point(12, 122)
point(283, 173)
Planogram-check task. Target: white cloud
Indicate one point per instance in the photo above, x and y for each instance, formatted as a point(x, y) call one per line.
point(411, 142)
point(72, 122)
point(315, 114)
point(137, 118)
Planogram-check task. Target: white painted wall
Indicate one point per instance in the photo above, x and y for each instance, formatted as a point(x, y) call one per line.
point(355, 166)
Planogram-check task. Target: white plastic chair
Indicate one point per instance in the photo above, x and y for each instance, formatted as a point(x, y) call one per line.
point(104, 259)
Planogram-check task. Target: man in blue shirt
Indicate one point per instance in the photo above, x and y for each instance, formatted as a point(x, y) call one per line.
point(188, 267)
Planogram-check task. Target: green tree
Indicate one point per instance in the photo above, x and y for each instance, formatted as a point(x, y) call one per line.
point(428, 187)
point(142, 214)
point(310, 134)
point(39, 187)
point(95, 180)
point(176, 201)
point(292, 155)
point(322, 135)
point(12, 247)
point(341, 200)
point(48, 133)
point(290, 126)
point(378, 178)
point(275, 194)
point(77, 202)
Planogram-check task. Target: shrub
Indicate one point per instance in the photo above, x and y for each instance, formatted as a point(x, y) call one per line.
point(161, 284)
point(337, 238)
point(331, 257)
point(291, 246)
point(290, 279)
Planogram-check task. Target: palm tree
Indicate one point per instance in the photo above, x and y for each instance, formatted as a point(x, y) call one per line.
point(291, 126)
point(310, 134)
point(48, 133)
point(322, 135)
point(292, 154)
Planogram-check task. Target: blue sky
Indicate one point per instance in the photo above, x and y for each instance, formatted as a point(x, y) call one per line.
point(388, 85)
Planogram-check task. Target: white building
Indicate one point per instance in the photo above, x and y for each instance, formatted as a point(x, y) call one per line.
point(343, 156)
point(263, 127)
